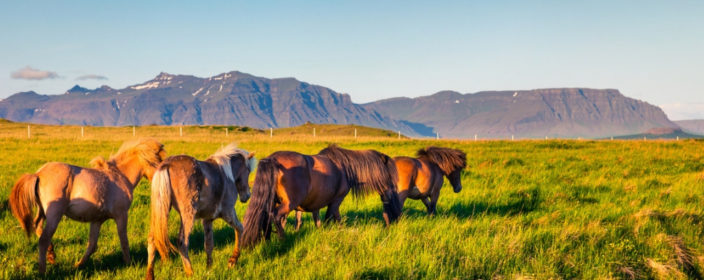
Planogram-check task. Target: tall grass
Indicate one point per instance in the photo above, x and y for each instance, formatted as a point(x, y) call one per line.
point(540, 209)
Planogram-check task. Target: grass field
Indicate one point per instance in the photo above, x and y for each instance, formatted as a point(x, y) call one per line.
point(532, 209)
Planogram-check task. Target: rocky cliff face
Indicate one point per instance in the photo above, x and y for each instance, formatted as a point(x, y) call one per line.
point(229, 98)
point(564, 112)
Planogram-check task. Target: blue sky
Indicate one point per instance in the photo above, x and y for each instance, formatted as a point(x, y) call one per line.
point(650, 50)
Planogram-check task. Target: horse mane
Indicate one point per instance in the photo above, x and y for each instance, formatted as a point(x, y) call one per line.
point(148, 150)
point(366, 170)
point(223, 155)
point(99, 163)
point(447, 159)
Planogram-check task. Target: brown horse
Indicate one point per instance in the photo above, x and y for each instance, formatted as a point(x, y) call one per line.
point(198, 190)
point(288, 180)
point(421, 177)
point(84, 194)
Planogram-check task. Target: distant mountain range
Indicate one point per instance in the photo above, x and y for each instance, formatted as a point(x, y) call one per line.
point(237, 98)
point(560, 112)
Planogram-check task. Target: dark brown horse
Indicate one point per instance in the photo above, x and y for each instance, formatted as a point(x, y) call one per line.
point(204, 190)
point(421, 177)
point(289, 181)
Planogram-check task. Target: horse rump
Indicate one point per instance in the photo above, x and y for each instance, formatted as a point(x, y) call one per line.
point(260, 211)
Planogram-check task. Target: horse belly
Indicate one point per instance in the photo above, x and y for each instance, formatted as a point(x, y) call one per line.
point(84, 211)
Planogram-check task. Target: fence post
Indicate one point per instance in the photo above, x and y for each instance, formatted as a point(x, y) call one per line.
point(355, 133)
point(227, 132)
point(314, 132)
point(475, 137)
point(271, 132)
point(511, 137)
point(29, 134)
point(81, 132)
point(399, 134)
point(437, 135)
point(180, 131)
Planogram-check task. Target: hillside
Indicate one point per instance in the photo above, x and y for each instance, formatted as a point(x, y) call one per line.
point(562, 112)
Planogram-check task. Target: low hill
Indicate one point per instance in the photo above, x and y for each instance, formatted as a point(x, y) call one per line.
point(661, 134)
point(692, 126)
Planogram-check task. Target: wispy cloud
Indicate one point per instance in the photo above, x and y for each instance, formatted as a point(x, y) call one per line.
point(91, 77)
point(29, 73)
point(684, 111)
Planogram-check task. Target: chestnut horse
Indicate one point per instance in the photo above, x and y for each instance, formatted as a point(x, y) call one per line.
point(289, 181)
point(422, 177)
point(91, 195)
point(198, 190)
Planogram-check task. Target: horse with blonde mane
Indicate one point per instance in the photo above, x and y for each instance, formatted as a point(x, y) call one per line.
point(197, 189)
point(91, 195)
point(422, 177)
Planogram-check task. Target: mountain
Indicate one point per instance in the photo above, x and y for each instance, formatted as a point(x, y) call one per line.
point(692, 126)
point(229, 98)
point(237, 98)
point(560, 112)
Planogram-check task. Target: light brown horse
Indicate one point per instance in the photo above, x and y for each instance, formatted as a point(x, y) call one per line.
point(288, 180)
point(422, 177)
point(198, 190)
point(91, 195)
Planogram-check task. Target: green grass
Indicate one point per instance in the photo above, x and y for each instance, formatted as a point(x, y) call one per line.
point(541, 209)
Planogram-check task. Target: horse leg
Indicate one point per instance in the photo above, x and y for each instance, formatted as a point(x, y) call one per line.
point(333, 211)
point(234, 222)
point(186, 225)
point(92, 242)
point(39, 222)
point(430, 205)
point(121, 223)
point(53, 216)
point(208, 236)
point(150, 256)
point(281, 213)
point(299, 215)
point(316, 218)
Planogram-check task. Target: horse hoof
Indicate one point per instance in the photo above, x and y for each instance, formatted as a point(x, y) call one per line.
point(51, 258)
point(232, 261)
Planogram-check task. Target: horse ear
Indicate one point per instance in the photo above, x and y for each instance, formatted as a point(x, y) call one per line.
point(251, 155)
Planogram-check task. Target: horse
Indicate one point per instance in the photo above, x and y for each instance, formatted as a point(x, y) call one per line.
point(92, 195)
point(197, 189)
point(288, 180)
point(422, 177)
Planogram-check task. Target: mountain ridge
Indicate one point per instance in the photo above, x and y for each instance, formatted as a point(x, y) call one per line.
point(244, 99)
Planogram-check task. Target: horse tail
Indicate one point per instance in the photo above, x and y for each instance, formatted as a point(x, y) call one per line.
point(161, 205)
point(389, 196)
point(260, 212)
point(23, 198)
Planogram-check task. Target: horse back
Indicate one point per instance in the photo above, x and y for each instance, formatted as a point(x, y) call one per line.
point(186, 179)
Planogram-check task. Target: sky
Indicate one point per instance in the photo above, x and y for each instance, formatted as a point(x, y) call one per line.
point(649, 50)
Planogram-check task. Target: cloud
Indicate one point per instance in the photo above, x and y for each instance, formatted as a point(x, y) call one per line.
point(684, 111)
point(29, 73)
point(91, 77)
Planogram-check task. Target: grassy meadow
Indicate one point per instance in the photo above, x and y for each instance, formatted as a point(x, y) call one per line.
point(529, 209)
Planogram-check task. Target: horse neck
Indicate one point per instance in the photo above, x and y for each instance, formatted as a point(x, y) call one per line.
point(131, 169)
